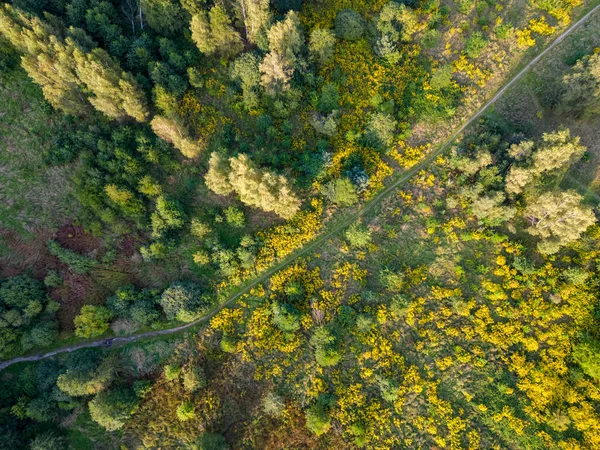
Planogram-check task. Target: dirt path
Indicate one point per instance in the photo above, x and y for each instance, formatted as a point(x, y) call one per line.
point(320, 239)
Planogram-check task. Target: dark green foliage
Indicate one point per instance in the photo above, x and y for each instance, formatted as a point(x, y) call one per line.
point(210, 441)
point(330, 98)
point(79, 263)
point(284, 6)
point(86, 374)
point(48, 441)
point(111, 409)
point(349, 25)
point(25, 316)
point(22, 292)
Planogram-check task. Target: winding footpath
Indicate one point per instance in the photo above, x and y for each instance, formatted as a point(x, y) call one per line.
point(108, 342)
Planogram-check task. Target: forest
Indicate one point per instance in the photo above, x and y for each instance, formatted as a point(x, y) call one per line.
point(299, 224)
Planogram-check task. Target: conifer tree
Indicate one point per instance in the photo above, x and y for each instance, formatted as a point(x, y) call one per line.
point(114, 92)
point(214, 34)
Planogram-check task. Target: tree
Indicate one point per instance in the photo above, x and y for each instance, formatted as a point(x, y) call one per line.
point(286, 317)
point(23, 308)
point(163, 16)
point(235, 217)
point(111, 409)
point(341, 192)
point(173, 131)
point(518, 178)
point(185, 411)
point(214, 34)
point(396, 23)
point(326, 352)
point(255, 186)
point(217, 177)
point(184, 301)
point(276, 73)
point(262, 188)
point(210, 441)
point(557, 151)
point(21, 292)
point(557, 218)
point(47, 59)
point(139, 306)
point(194, 379)
point(169, 215)
point(273, 405)
point(92, 321)
point(349, 25)
point(256, 15)
point(326, 125)
point(286, 38)
point(380, 131)
point(112, 91)
point(322, 45)
point(490, 211)
point(87, 374)
point(582, 87)
point(48, 441)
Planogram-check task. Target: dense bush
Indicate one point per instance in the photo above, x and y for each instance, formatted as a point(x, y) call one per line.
point(26, 316)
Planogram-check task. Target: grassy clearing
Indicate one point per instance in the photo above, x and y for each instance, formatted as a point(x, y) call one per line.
point(33, 195)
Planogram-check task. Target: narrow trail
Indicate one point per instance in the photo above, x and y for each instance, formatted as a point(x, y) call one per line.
point(108, 342)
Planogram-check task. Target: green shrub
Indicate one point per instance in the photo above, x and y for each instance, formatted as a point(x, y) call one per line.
point(587, 355)
point(185, 411)
point(475, 44)
point(358, 236)
point(317, 420)
point(341, 192)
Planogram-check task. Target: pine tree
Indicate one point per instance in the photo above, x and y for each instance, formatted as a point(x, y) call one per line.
point(113, 91)
point(47, 59)
point(174, 132)
point(217, 177)
point(214, 34)
point(255, 187)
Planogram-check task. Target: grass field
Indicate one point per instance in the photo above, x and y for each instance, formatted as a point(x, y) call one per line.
point(33, 195)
